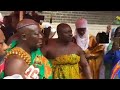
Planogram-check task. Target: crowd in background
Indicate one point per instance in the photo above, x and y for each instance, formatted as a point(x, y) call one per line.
point(28, 51)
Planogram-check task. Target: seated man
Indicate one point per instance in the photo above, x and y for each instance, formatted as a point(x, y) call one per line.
point(66, 57)
point(24, 57)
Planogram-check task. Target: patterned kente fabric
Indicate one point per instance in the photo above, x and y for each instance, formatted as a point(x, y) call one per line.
point(66, 67)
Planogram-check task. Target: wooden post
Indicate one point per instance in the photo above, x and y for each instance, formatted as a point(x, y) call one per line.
point(21, 15)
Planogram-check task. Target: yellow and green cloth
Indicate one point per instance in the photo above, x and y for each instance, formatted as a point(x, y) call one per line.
point(66, 67)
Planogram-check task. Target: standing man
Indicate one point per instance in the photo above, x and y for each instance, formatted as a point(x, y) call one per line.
point(89, 45)
point(65, 56)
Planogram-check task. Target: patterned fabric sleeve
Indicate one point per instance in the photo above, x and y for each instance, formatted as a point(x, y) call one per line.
point(43, 64)
point(116, 71)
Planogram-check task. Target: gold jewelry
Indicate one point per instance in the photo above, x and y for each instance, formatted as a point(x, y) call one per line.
point(20, 52)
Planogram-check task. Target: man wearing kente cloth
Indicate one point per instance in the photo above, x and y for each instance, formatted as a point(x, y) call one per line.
point(65, 56)
point(24, 57)
point(3, 48)
point(88, 43)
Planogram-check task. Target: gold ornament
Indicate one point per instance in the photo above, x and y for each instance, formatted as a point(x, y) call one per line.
point(20, 52)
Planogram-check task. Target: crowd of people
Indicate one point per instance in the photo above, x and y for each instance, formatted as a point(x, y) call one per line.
point(28, 51)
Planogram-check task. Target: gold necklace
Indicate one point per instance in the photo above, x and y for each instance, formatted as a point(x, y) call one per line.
point(20, 52)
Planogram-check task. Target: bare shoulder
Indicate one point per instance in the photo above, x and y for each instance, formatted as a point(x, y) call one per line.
point(46, 48)
point(75, 46)
point(14, 64)
point(51, 41)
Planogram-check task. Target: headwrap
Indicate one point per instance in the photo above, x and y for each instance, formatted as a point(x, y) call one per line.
point(81, 23)
point(82, 41)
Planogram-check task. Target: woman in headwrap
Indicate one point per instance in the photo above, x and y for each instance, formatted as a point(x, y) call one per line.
point(112, 57)
point(90, 46)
